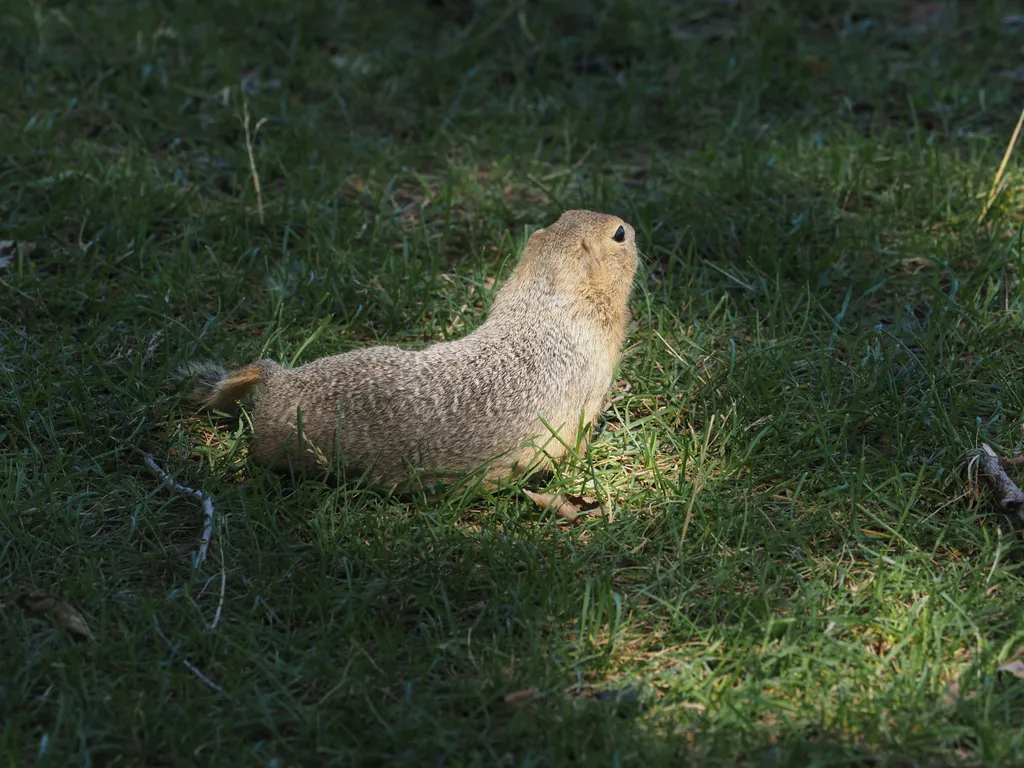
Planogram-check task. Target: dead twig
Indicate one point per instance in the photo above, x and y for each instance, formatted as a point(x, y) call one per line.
point(185, 662)
point(1010, 497)
point(204, 542)
point(220, 602)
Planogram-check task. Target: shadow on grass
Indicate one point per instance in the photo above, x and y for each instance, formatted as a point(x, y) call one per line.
point(436, 631)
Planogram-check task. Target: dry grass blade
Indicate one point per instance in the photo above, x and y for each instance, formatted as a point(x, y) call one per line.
point(250, 137)
point(1002, 167)
point(698, 482)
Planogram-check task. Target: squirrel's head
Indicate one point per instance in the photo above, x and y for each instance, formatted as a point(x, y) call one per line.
point(593, 254)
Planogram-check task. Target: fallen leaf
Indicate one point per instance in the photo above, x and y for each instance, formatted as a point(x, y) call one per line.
point(1015, 668)
point(518, 698)
point(568, 507)
point(63, 614)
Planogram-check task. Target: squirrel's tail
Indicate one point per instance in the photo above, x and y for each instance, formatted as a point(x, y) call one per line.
point(215, 387)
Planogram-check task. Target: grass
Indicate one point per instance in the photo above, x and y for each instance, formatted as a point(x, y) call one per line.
point(823, 330)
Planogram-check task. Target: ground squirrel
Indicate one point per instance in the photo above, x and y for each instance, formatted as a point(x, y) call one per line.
point(542, 362)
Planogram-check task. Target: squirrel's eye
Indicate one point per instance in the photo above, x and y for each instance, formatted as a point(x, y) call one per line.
point(620, 235)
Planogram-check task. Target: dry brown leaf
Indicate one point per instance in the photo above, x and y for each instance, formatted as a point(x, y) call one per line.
point(518, 698)
point(915, 264)
point(1015, 668)
point(64, 615)
point(568, 507)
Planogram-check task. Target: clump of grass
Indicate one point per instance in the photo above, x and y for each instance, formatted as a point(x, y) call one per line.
point(795, 570)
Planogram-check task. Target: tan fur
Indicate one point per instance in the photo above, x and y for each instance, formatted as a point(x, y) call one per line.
point(546, 353)
point(229, 391)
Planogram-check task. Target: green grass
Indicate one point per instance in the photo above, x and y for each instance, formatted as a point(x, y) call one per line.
point(822, 332)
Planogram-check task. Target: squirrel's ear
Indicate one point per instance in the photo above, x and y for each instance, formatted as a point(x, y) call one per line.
point(534, 241)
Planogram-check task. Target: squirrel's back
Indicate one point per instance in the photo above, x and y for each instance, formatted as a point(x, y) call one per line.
point(543, 361)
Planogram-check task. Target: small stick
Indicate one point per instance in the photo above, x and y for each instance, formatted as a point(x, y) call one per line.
point(220, 603)
point(204, 543)
point(1011, 499)
point(189, 666)
point(1002, 167)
